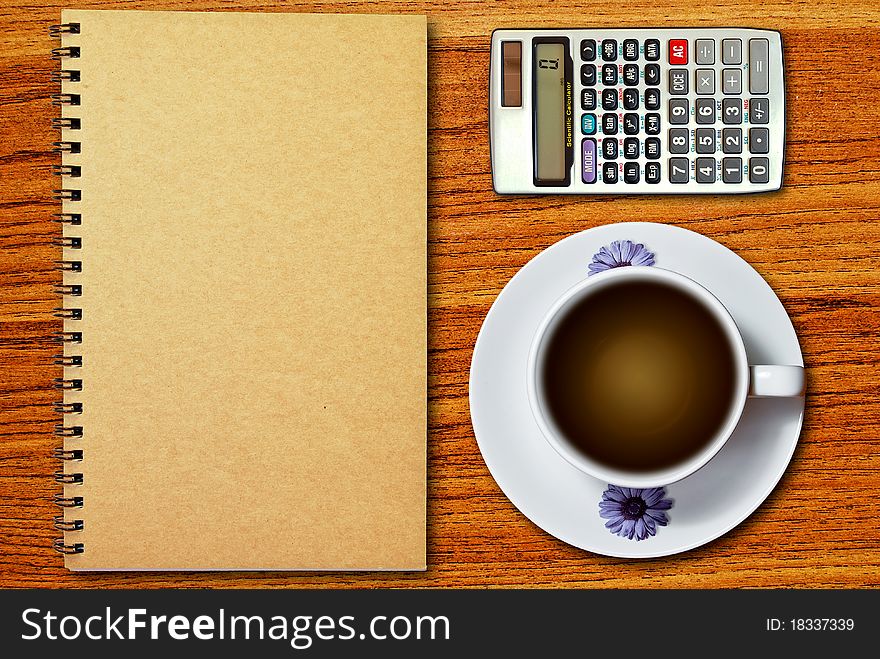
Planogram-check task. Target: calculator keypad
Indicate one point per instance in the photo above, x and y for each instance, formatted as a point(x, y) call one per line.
point(609, 99)
point(759, 140)
point(705, 110)
point(588, 50)
point(679, 140)
point(616, 158)
point(704, 82)
point(679, 111)
point(731, 140)
point(631, 99)
point(759, 170)
point(760, 110)
point(631, 148)
point(687, 111)
point(588, 99)
point(731, 50)
point(678, 81)
point(609, 75)
point(588, 75)
point(731, 170)
point(609, 50)
point(609, 123)
point(731, 111)
point(704, 50)
point(732, 81)
point(705, 140)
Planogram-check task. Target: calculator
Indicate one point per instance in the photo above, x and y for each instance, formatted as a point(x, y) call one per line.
point(636, 111)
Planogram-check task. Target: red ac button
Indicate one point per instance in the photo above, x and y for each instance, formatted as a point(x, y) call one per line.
point(678, 51)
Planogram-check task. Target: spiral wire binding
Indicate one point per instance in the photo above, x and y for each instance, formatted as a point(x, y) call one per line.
point(65, 99)
point(64, 74)
point(63, 28)
point(68, 218)
point(65, 147)
point(66, 123)
point(67, 429)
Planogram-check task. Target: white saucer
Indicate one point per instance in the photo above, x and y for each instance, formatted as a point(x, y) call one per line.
point(564, 501)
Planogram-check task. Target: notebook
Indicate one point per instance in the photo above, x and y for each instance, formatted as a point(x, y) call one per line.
point(244, 291)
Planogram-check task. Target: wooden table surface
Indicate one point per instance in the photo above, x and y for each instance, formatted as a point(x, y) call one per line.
point(816, 242)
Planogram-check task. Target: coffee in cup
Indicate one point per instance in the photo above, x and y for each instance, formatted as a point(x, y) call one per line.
point(639, 375)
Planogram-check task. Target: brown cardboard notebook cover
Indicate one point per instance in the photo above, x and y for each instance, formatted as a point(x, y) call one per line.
point(253, 290)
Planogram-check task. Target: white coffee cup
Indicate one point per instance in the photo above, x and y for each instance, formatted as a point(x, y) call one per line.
point(750, 380)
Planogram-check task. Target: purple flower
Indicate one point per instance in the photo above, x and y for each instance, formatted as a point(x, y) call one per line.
point(620, 253)
point(634, 513)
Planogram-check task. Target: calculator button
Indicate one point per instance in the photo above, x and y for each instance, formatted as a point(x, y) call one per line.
point(759, 110)
point(704, 51)
point(678, 81)
point(631, 50)
point(678, 51)
point(652, 148)
point(609, 74)
point(704, 81)
point(759, 140)
point(609, 99)
point(678, 140)
point(678, 111)
point(631, 148)
point(609, 172)
point(588, 159)
point(609, 50)
point(652, 50)
point(652, 98)
point(731, 170)
point(588, 124)
point(652, 123)
point(631, 123)
point(609, 148)
point(759, 170)
point(588, 75)
point(731, 51)
point(631, 99)
point(652, 74)
point(631, 74)
point(588, 99)
point(588, 50)
point(609, 123)
point(705, 139)
point(731, 111)
point(731, 140)
point(732, 81)
point(705, 170)
point(631, 172)
point(679, 170)
point(705, 110)
point(759, 66)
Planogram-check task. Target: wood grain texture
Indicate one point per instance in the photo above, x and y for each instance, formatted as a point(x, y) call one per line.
point(817, 242)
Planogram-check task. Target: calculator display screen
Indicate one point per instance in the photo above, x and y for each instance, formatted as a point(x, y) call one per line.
point(550, 132)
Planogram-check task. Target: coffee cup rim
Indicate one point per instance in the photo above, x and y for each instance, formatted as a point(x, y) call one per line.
point(657, 478)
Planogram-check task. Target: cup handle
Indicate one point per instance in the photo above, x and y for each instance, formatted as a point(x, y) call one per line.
point(774, 381)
